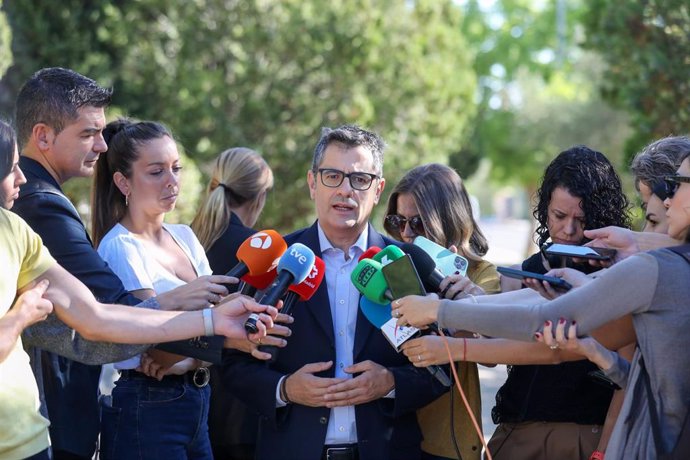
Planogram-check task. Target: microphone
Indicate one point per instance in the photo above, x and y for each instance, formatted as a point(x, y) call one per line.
point(426, 267)
point(368, 275)
point(368, 278)
point(258, 253)
point(369, 253)
point(388, 254)
point(306, 289)
point(299, 292)
point(293, 268)
point(251, 284)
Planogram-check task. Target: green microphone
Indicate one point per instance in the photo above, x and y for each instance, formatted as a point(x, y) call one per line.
point(389, 254)
point(369, 281)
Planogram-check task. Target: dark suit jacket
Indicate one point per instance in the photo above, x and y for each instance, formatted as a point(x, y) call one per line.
point(386, 428)
point(68, 388)
point(230, 421)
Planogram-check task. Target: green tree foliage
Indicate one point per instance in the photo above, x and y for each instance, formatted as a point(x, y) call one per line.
point(646, 45)
point(268, 75)
point(5, 39)
point(538, 89)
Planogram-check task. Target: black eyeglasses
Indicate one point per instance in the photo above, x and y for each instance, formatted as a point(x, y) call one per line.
point(358, 180)
point(398, 222)
point(673, 182)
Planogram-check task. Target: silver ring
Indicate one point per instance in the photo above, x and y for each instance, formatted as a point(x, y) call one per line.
point(419, 358)
point(553, 347)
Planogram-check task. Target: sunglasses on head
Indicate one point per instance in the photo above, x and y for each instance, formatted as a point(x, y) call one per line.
point(398, 222)
point(673, 182)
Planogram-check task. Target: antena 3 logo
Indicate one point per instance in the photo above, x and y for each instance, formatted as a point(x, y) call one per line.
point(365, 275)
point(261, 241)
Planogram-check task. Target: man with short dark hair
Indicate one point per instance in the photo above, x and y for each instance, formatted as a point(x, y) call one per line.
point(338, 389)
point(60, 116)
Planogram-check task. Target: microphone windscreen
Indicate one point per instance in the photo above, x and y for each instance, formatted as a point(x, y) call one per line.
point(368, 279)
point(262, 281)
point(298, 260)
point(389, 254)
point(369, 253)
point(376, 313)
point(306, 289)
point(260, 251)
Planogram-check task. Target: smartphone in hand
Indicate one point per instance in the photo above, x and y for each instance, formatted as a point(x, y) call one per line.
point(555, 282)
point(582, 252)
point(402, 278)
point(447, 262)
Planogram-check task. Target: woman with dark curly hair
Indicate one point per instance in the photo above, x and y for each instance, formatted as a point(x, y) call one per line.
point(557, 411)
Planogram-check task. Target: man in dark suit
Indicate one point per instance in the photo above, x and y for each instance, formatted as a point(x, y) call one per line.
point(338, 390)
point(60, 117)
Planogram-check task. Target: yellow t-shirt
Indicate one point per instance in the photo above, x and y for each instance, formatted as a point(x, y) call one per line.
point(23, 258)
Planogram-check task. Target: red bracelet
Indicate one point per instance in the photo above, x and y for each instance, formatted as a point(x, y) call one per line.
point(464, 350)
point(597, 455)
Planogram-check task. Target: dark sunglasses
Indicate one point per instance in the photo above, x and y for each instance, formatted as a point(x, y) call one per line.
point(673, 182)
point(660, 188)
point(398, 222)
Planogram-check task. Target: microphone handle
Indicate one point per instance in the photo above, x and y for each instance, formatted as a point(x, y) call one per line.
point(239, 270)
point(289, 302)
point(438, 372)
point(248, 289)
point(291, 298)
point(278, 288)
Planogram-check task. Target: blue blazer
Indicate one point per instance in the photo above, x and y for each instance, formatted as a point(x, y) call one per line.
point(386, 428)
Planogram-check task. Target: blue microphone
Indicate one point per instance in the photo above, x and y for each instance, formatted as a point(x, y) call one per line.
point(293, 267)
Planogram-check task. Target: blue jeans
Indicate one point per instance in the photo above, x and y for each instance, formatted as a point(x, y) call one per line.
point(152, 420)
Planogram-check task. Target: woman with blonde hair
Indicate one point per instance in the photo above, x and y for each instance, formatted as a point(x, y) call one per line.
point(431, 201)
point(235, 197)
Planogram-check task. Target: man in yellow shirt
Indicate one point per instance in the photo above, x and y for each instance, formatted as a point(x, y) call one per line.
point(23, 431)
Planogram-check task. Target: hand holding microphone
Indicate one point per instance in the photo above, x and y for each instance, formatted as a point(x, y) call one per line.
point(296, 293)
point(293, 267)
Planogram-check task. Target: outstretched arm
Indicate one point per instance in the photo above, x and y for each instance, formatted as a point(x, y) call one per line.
point(29, 308)
point(626, 288)
point(77, 307)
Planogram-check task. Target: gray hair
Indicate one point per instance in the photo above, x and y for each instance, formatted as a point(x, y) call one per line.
point(658, 159)
point(350, 136)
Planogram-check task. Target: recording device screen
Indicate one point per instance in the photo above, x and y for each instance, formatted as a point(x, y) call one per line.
point(557, 283)
point(402, 278)
point(583, 252)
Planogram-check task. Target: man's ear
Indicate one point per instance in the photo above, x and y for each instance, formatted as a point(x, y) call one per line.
point(43, 136)
point(121, 183)
point(379, 190)
point(311, 180)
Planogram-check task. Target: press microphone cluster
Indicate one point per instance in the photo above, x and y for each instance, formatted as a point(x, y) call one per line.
point(293, 268)
point(299, 293)
point(370, 281)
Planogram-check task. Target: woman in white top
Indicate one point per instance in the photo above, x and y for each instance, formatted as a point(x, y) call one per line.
point(136, 184)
